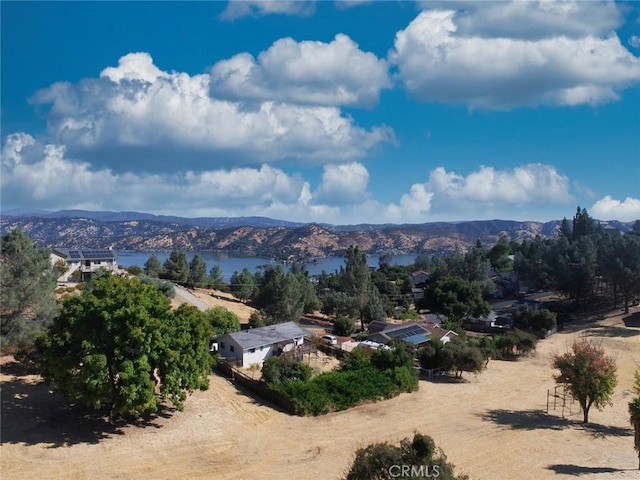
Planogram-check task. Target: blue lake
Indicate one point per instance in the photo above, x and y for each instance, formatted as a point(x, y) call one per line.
point(229, 264)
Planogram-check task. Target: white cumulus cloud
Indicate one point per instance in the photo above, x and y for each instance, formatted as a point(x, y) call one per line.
point(259, 8)
point(137, 106)
point(44, 177)
point(309, 72)
point(531, 19)
point(609, 208)
point(485, 193)
point(343, 184)
point(436, 62)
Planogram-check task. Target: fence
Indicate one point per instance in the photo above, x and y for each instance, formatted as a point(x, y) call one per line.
point(562, 398)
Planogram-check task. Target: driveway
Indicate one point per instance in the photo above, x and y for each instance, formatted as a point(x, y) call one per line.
point(188, 297)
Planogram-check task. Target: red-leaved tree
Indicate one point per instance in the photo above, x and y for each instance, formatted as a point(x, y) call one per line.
point(588, 373)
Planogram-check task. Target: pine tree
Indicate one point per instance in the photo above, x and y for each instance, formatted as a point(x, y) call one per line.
point(26, 290)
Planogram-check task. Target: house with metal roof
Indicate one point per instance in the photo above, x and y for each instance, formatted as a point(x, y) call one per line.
point(83, 261)
point(254, 346)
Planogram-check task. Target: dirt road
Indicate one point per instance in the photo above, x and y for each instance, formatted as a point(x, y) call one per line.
point(493, 427)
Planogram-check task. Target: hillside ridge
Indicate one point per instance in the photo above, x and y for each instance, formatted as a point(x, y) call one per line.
point(260, 236)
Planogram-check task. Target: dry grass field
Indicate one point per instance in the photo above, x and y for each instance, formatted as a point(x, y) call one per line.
point(492, 426)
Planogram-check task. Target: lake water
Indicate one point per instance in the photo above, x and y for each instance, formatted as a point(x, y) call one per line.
point(229, 264)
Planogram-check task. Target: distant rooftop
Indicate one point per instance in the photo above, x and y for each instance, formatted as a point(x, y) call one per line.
point(268, 335)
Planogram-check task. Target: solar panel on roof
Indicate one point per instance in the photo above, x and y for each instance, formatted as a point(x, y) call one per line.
point(93, 254)
point(74, 254)
point(407, 331)
point(417, 339)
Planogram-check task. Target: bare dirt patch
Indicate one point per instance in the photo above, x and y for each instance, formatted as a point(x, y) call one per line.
point(493, 426)
point(216, 298)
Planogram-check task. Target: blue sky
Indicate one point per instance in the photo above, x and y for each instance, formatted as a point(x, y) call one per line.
point(339, 112)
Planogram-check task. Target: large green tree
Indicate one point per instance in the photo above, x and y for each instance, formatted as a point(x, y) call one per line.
point(282, 296)
point(242, 284)
point(455, 298)
point(588, 373)
point(176, 267)
point(197, 271)
point(118, 346)
point(153, 267)
point(216, 280)
point(27, 303)
point(357, 284)
point(222, 320)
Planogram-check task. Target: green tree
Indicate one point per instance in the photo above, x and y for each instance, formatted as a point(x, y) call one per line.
point(460, 356)
point(535, 320)
point(455, 298)
point(119, 346)
point(176, 267)
point(282, 297)
point(153, 267)
point(216, 280)
point(197, 271)
point(356, 281)
point(222, 320)
point(413, 458)
point(634, 415)
point(498, 255)
point(184, 361)
point(242, 284)
point(26, 290)
point(589, 374)
point(343, 326)
point(583, 224)
point(516, 343)
point(619, 260)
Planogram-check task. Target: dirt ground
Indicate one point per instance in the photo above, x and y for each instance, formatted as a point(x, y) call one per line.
point(216, 298)
point(493, 426)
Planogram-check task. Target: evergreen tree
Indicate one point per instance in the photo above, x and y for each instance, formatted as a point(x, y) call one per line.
point(26, 289)
point(153, 267)
point(242, 284)
point(216, 280)
point(197, 271)
point(176, 267)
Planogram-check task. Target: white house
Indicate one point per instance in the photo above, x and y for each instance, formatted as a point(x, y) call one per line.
point(84, 261)
point(257, 344)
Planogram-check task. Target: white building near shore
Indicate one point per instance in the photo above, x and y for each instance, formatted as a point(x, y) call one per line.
point(83, 261)
point(254, 346)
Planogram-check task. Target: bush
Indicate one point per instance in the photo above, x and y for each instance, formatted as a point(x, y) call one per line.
point(284, 369)
point(535, 320)
point(343, 326)
point(516, 343)
point(358, 380)
point(383, 461)
point(165, 286)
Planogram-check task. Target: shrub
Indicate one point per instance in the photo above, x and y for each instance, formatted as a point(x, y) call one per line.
point(284, 369)
point(343, 326)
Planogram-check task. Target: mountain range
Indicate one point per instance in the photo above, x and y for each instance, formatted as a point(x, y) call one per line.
point(260, 236)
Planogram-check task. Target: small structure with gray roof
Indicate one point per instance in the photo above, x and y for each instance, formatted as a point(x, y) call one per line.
point(254, 346)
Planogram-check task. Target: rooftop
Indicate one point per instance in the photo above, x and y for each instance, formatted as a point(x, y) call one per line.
point(268, 335)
